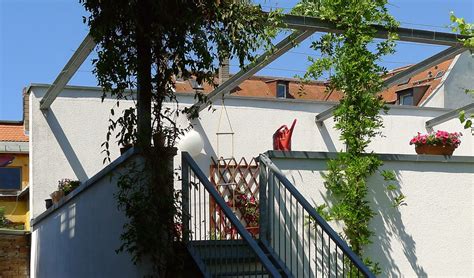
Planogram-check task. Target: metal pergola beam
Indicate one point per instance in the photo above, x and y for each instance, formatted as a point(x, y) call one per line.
point(326, 114)
point(79, 56)
point(448, 116)
point(415, 69)
point(305, 26)
point(405, 34)
point(269, 56)
point(425, 64)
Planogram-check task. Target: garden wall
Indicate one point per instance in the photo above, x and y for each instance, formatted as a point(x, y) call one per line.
point(430, 235)
point(65, 141)
point(78, 236)
point(14, 254)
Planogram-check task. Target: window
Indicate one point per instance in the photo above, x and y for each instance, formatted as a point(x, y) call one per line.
point(10, 178)
point(281, 90)
point(403, 82)
point(406, 99)
point(439, 74)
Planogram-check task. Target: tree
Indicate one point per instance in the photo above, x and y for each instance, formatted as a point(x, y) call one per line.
point(467, 29)
point(146, 44)
point(352, 56)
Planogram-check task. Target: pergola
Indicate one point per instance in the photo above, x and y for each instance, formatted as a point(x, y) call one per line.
point(303, 27)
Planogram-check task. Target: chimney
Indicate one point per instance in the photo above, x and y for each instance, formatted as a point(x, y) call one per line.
point(26, 110)
point(224, 71)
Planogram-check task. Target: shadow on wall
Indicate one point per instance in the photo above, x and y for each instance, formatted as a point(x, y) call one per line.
point(327, 138)
point(65, 145)
point(80, 238)
point(388, 225)
point(56, 239)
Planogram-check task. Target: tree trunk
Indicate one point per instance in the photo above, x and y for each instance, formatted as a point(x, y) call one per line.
point(144, 61)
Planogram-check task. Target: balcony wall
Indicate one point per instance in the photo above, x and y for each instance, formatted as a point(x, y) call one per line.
point(65, 141)
point(78, 236)
point(431, 235)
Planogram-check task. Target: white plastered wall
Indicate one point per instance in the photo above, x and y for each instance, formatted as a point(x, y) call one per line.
point(80, 238)
point(452, 90)
point(66, 139)
point(430, 236)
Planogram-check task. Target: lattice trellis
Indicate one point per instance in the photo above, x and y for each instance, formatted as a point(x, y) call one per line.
point(230, 176)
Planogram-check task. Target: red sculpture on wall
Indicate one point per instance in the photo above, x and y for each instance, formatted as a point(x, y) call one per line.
point(282, 138)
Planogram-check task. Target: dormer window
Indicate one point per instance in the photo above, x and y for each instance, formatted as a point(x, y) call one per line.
point(195, 85)
point(406, 99)
point(281, 90)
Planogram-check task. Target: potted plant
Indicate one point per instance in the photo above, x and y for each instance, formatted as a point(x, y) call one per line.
point(56, 196)
point(249, 210)
point(65, 186)
point(48, 203)
point(437, 143)
point(68, 185)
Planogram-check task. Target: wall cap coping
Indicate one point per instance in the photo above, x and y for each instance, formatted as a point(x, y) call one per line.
point(14, 147)
point(249, 98)
point(13, 232)
point(85, 185)
point(382, 156)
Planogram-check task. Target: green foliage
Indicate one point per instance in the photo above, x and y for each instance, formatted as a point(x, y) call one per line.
point(147, 44)
point(459, 25)
point(352, 56)
point(467, 29)
point(3, 220)
point(68, 185)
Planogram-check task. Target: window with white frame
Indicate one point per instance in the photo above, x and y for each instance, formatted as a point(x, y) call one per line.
point(406, 99)
point(281, 90)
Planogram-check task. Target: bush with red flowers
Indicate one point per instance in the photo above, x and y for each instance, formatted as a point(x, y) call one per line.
point(438, 138)
point(248, 208)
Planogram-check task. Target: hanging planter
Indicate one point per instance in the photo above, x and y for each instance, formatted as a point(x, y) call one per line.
point(435, 149)
point(439, 143)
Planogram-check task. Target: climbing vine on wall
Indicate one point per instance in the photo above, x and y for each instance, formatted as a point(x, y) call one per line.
point(460, 25)
point(352, 57)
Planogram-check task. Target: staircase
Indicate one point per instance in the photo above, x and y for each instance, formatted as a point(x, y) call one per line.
point(293, 240)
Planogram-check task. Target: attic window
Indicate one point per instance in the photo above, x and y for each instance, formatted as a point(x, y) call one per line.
point(439, 74)
point(406, 99)
point(281, 90)
point(404, 81)
point(195, 85)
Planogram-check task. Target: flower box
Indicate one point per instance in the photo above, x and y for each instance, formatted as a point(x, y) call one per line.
point(436, 143)
point(435, 149)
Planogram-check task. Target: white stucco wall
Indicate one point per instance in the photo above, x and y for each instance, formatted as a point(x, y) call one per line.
point(66, 139)
point(66, 143)
point(80, 238)
point(430, 236)
point(459, 77)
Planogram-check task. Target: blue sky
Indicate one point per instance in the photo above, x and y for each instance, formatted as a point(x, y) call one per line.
point(38, 37)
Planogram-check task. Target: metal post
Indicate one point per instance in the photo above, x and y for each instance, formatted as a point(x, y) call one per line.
point(262, 183)
point(185, 196)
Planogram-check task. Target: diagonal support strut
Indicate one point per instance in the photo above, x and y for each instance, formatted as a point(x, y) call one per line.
point(415, 69)
point(269, 56)
point(79, 56)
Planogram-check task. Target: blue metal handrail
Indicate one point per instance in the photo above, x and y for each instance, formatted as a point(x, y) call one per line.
point(264, 180)
point(187, 161)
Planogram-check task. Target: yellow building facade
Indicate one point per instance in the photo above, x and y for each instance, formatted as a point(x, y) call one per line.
point(14, 174)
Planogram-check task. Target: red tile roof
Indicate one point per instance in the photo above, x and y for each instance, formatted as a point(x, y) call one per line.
point(261, 86)
point(12, 132)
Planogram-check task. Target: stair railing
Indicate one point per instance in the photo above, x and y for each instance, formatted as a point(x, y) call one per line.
point(299, 236)
point(215, 248)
